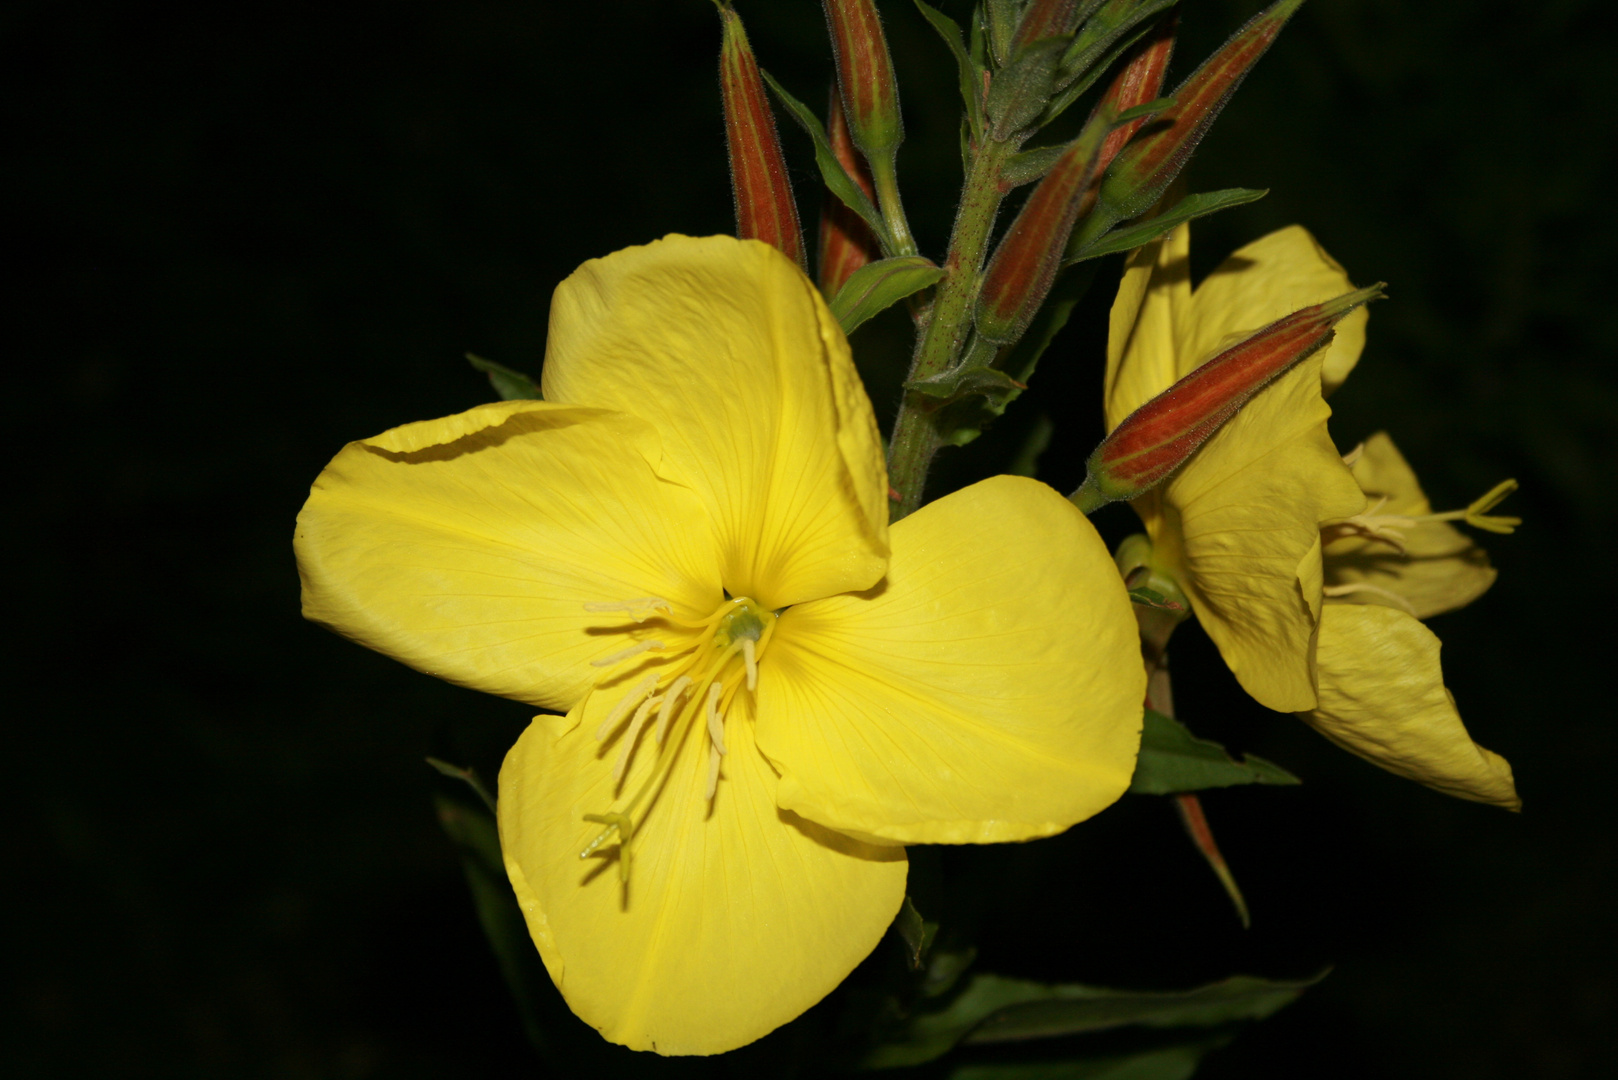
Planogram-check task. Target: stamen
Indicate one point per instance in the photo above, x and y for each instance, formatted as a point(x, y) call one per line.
point(624, 654)
point(627, 702)
point(639, 609)
point(615, 823)
point(1364, 587)
point(666, 713)
point(713, 772)
point(716, 723)
point(750, 659)
point(1477, 514)
point(641, 714)
point(1352, 458)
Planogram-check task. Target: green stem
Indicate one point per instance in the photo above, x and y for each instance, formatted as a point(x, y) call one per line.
point(885, 176)
point(916, 437)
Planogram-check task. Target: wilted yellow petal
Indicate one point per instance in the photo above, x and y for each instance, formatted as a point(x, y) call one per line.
point(1382, 697)
point(729, 351)
point(733, 922)
point(1440, 568)
point(1267, 280)
point(1239, 527)
point(468, 547)
point(990, 689)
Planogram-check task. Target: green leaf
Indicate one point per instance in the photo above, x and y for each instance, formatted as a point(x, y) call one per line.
point(832, 173)
point(958, 382)
point(1003, 16)
point(918, 934)
point(1173, 760)
point(970, 73)
point(468, 776)
point(1161, 1063)
point(876, 286)
point(509, 384)
point(994, 1008)
point(1146, 108)
point(1189, 208)
point(1019, 93)
point(1153, 599)
point(1030, 165)
point(1067, 94)
point(1100, 32)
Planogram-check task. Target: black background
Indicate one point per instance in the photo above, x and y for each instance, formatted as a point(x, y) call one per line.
point(241, 237)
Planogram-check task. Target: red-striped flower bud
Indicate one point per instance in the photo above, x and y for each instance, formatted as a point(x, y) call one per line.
point(758, 174)
point(865, 76)
point(846, 242)
point(1139, 81)
point(1158, 437)
point(1047, 19)
point(1147, 166)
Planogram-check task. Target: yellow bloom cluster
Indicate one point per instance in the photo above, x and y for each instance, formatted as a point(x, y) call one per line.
point(759, 691)
point(1310, 572)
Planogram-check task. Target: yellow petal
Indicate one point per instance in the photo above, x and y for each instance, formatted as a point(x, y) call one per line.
point(1267, 280)
point(1382, 697)
point(1440, 568)
point(467, 547)
point(1142, 347)
point(728, 350)
point(990, 689)
point(1239, 527)
point(732, 924)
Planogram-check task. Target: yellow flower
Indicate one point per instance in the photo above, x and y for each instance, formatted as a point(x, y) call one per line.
point(1332, 633)
point(767, 690)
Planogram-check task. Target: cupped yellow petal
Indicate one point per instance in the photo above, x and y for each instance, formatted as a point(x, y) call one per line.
point(1439, 568)
point(1382, 696)
point(728, 350)
point(1239, 526)
point(733, 921)
point(1267, 280)
point(1142, 347)
point(468, 547)
point(989, 689)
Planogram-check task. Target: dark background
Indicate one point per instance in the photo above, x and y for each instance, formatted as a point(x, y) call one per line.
point(244, 236)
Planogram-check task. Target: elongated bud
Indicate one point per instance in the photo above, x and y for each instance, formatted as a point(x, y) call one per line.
point(1158, 437)
point(1139, 81)
point(846, 242)
point(758, 174)
point(1148, 165)
point(1050, 18)
point(1020, 273)
point(865, 76)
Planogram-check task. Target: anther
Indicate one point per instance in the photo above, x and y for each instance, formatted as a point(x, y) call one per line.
point(641, 714)
point(639, 609)
point(713, 772)
point(751, 660)
point(624, 654)
point(627, 702)
point(666, 713)
point(716, 723)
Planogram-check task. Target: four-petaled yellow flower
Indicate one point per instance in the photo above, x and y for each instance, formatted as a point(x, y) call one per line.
point(1312, 594)
point(768, 691)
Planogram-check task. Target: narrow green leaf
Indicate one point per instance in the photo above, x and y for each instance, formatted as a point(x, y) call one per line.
point(918, 934)
point(1178, 1062)
point(1030, 165)
point(1153, 599)
point(1067, 94)
point(1101, 32)
point(958, 382)
point(832, 173)
point(1003, 16)
point(994, 1008)
point(509, 384)
point(1173, 760)
point(468, 776)
point(1187, 209)
point(970, 73)
point(876, 286)
point(1020, 92)
point(1145, 108)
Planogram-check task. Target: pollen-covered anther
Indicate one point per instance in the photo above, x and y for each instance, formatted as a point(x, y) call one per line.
point(635, 724)
point(639, 609)
point(631, 652)
point(750, 658)
point(670, 699)
point(647, 684)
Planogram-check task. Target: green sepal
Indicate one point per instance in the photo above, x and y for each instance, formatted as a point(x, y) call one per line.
point(1174, 1062)
point(1172, 760)
point(1001, 22)
point(1151, 598)
point(969, 71)
point(916, 932)
point(832, 173)
point(877, 286)
point(1189, 208)
point(1030, 165)
point(510, 385)
point(1020, 91)
point(994, 1008)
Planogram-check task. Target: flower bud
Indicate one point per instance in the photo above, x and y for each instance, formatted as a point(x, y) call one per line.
point(1158, 437)
point(846, 242)
point(1147, 166)
point(865, 76)
point(1139, 81)
point(758, 176)
point(1048, 19)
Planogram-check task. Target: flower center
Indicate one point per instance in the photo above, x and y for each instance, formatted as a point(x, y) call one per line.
point(710, 661)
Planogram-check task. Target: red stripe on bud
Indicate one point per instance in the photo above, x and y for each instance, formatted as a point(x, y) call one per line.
point(846, 242)
point(765, 209)
point(1158, 437)
point(1140, 81)
point(1046, 19)
point(1146, 167)
point(865, 76)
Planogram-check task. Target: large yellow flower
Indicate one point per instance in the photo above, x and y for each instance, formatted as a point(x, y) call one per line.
point(767, 690)
point(1330, 633)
